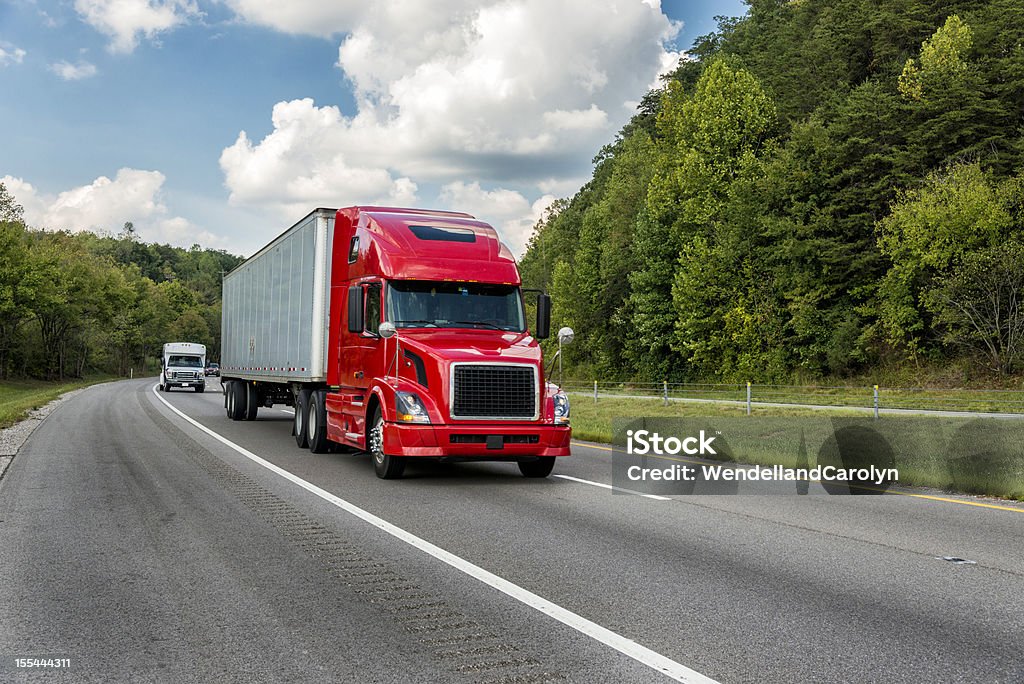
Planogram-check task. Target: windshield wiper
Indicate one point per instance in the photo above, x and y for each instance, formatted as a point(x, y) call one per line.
point(407, 322)
point(489, 325)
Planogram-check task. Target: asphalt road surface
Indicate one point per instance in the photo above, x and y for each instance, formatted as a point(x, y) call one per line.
point(136, 546)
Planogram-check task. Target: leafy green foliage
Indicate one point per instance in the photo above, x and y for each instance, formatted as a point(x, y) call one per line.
point(813, 193)
point(72, 304)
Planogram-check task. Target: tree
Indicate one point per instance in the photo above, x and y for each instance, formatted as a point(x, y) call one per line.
point(10, 210)
point(980, 306)
point(932, 237)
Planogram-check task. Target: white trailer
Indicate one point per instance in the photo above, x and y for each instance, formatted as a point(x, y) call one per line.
point(183, 364)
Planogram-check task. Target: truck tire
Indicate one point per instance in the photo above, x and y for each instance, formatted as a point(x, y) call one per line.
point(252, 401)
point(316, 424)
point(236, 400)
point(387, 467)
point(200, 389)
point(301, 419)
point(541, 467)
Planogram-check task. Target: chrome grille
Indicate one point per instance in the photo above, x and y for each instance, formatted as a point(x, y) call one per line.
point(489, 391)
point(184, 375)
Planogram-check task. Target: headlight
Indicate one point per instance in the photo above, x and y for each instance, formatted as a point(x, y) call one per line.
point(561, 408)
point(409, 408)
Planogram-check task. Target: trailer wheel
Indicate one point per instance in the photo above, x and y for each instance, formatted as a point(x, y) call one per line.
point(316, 424)
point(252, 401)
point(541, 467)
point(301, 419)
point(236, 400)
point(387, 467)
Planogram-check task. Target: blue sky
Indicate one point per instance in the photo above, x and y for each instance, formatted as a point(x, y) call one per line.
point(116, 110)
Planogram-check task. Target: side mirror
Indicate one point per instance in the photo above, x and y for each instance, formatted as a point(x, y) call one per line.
point(565, 335)
point(355, 309)
point(387, 330)
point(543, 317)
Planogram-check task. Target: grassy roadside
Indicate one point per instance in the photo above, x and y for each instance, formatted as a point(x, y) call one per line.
point(18, 397)
point(971, 455)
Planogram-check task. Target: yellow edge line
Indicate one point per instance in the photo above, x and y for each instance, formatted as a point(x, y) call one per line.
point(886, 491)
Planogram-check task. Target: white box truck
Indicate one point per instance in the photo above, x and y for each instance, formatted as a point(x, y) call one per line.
point(183, 365)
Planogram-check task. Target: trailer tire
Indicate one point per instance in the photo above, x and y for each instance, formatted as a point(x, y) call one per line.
point(236, 400)
point(541, 467)
point(386, 466)
point(301, 419)
point(252, 401)
point(316, 424)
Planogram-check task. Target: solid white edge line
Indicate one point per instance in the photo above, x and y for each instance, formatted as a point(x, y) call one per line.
point(628, 647)
point(602, 485)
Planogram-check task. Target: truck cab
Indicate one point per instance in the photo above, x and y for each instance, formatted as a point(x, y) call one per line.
point(183, 364)
point(435, 357)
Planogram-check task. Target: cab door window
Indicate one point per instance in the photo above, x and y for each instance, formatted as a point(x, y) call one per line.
point(371, 321)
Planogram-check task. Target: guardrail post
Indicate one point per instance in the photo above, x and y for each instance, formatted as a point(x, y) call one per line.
point(748, 398)
point(876, 402)
point(595, 391)
point(665, 392)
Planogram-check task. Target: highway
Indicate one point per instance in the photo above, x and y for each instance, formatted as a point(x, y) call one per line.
point(145, 541)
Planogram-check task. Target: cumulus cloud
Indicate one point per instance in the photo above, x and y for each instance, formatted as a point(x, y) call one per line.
point(507, 210)
point(10, 54)
point(306, 162)
point(511, 93)
point(73, 72)
point(106, 204)
point(125, 21)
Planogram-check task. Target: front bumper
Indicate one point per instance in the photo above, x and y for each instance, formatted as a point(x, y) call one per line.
point(476, 441)
point(185, 383)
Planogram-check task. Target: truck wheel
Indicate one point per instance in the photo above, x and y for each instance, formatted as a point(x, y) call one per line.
point(541, 467)
point(200, 389)
point(236, 400)
point(252, 401)
point(387, 467)
point(316, 424)
point(301, 419)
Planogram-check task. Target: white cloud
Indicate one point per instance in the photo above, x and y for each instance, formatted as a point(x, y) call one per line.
point(314, 17)
point(507, 210)
point(304, 163)
point(10, 54)
point(124, 21)
point(511, 93)
point(105, 205)
point(73, 72)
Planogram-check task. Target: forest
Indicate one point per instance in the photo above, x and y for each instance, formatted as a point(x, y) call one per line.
point(73, 304)
point(820, 190)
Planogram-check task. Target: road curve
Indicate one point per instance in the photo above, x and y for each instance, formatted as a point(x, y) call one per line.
point(142, 548)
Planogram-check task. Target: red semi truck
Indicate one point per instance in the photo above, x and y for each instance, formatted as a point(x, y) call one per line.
point(400, 332)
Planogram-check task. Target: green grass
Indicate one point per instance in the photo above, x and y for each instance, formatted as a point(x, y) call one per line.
point(851, 396)
point(18, 397)
point(981, 456)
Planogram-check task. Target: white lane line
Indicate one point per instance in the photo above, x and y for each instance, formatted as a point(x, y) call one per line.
point(287, 411)
point(602, 485)
point(628, 647)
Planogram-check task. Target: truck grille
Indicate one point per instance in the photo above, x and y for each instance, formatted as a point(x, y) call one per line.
point(184, 375)
point(505, 392)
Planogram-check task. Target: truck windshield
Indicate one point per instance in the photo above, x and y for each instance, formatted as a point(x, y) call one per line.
point(427, 304)
point(185, 362)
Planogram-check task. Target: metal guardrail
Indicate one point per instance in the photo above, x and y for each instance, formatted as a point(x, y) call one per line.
point(840, 396)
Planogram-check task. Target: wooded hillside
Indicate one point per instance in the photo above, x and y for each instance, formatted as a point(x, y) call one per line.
point(824, 189)
point(76, 303)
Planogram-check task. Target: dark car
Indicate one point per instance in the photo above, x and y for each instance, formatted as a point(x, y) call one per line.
point(212, 369)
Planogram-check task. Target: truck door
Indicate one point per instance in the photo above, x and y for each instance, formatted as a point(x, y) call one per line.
point(358, 361)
